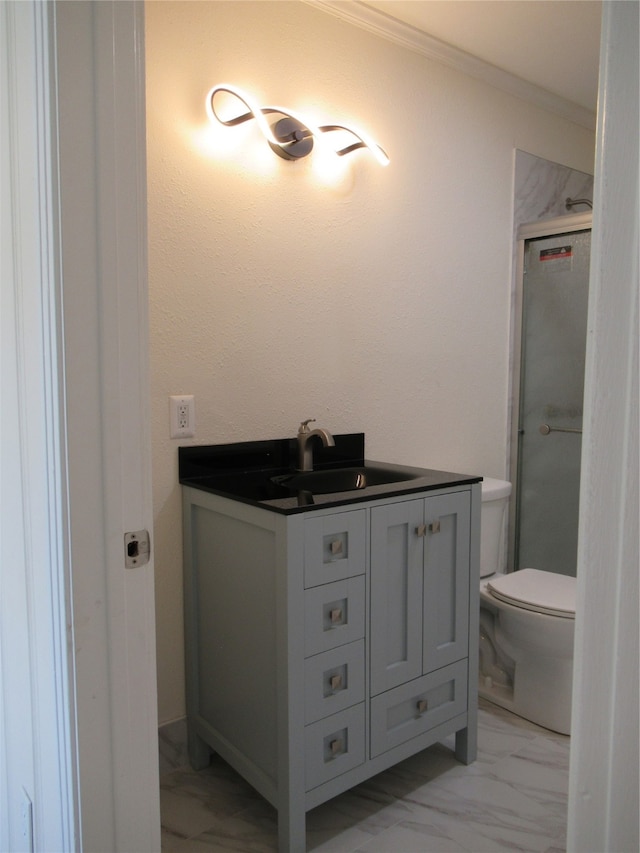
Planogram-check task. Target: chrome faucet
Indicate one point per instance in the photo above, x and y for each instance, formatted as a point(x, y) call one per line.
point(305, 450)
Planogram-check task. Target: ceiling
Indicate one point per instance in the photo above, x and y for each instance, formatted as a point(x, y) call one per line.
point(554, 44)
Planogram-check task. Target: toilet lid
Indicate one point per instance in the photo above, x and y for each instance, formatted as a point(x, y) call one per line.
point(542, 592)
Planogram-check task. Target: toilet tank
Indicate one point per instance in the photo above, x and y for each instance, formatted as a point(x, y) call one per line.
point(493, 516)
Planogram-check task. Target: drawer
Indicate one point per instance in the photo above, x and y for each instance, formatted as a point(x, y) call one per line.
point(334, 615)
point(334, 745)
point(333, 681)
point(334, 547)
point(413, 708)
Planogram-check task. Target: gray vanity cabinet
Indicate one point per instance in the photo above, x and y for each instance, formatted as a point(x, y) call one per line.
point(326, 645)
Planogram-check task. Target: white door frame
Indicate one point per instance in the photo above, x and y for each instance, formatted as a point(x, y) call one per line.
point(603, 783)
point(101, 131)
point(80, 162)
point(38, 779)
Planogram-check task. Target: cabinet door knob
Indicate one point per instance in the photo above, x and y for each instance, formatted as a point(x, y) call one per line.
point(336, 746)
point(336, 546)
point(421, 705)
point(335, 615)
point(421, 530)
point(335, 682)
point(434, 527)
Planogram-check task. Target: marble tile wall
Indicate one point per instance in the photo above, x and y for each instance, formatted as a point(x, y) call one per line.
point(542, 187)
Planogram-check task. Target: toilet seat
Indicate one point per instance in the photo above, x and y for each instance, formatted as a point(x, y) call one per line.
point(541, 592)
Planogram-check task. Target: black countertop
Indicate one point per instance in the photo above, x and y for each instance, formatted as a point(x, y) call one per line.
point(257, 473)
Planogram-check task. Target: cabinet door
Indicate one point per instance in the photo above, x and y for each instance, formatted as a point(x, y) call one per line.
point(446, 579)
point(396, 594)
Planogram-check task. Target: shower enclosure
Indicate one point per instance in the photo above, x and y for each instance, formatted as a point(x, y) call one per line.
point(548, 392)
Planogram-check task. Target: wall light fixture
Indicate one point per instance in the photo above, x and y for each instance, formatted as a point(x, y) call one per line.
point(291, 135)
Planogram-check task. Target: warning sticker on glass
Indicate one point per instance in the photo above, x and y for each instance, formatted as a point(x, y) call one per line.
point(558, 258)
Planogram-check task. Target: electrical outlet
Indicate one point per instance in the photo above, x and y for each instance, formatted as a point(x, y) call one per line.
point(182, 416)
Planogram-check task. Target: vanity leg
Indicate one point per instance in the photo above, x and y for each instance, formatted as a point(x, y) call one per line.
point(292, 834)
point(467, 745)
point(199, 751)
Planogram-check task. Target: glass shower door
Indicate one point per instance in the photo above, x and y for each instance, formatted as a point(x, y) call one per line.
point(555, 291)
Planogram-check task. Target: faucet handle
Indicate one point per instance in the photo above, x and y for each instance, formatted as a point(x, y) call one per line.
point(304, 426)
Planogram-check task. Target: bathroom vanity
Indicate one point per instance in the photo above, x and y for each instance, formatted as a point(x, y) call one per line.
point(329, 634)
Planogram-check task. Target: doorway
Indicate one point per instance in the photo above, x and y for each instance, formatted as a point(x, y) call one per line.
point(554, 283)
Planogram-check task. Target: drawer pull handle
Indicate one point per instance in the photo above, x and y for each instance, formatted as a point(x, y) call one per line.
point(434, 527)
point(336, 615)
point(421, 705)
point(421, 530)
point(335, 682)
point(336, 746)
point(336, 547)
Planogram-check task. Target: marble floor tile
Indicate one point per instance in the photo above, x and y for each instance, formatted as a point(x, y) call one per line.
point(481, 812)
point(192, 802)
point(412, 837)
point(540, 771)
point(252, 830)
point(352, 819)
point(514, 797)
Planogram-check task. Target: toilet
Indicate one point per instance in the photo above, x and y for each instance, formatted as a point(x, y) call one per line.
point(526, 626)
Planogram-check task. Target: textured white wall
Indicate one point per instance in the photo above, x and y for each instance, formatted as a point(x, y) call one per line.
point(379, 303)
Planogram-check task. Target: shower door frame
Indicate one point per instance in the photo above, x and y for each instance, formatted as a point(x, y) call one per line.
point(528, 231)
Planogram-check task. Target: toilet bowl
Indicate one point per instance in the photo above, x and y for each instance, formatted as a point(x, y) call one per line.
point(526, 627)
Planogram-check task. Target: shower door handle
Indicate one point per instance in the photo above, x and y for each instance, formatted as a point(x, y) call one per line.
point(545, 429)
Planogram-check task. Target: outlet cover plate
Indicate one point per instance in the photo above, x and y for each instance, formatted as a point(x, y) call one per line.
point(182, 416)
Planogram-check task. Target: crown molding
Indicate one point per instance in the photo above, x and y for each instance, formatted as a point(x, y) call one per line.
point(360, 15)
